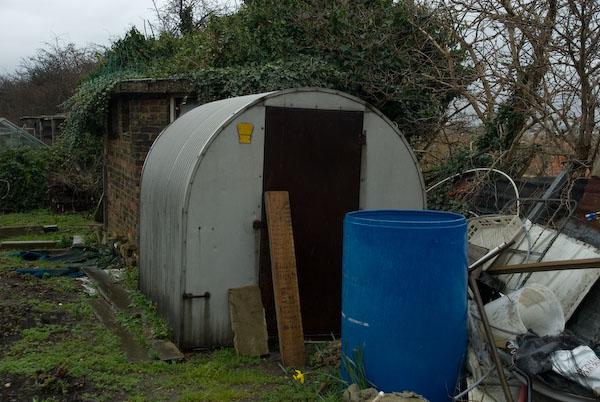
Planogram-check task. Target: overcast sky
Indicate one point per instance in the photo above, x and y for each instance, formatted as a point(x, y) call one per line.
point(26, 25)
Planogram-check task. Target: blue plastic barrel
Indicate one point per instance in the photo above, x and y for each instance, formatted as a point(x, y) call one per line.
point(404, 298)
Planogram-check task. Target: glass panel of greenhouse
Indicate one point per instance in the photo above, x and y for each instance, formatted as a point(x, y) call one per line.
point(12, 135)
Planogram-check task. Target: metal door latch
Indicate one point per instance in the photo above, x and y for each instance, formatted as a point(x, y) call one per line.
point(206, 295)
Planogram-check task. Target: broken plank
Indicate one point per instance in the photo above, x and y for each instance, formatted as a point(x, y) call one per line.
point(546, 266)
point(475, 252)
point(10, 231)
point(285, 278)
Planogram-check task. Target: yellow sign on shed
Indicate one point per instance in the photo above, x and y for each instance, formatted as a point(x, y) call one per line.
point(245, 132)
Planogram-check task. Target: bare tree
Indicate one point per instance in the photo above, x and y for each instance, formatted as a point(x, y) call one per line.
point(184, 16)
point(568, 104)
point(535, 69)
point(507, 44)
point(44, 81)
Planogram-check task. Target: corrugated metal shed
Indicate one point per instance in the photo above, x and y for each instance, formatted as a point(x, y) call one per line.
point(202, 196)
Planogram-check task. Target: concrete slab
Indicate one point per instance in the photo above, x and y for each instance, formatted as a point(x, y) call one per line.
point(109, 289)
point(166, 350)
point(114, 294)
point(248, 321)
point(29, 244)
point(134, 351)
point(9, 231)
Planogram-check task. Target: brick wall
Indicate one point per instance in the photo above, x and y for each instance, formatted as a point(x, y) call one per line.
point(590, 202)
point(134, 123)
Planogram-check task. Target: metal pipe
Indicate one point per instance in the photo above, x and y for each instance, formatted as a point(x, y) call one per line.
point(527, 381)
point(491, 254)
point(490, 338)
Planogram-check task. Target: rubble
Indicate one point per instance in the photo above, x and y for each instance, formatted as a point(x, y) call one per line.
point(565, 269)
point(354, 394)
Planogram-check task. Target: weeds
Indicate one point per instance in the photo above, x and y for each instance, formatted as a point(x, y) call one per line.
point(355, 368)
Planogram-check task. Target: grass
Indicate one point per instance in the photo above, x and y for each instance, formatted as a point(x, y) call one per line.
point(43, 217)
point(57, 350)
point(68, 226)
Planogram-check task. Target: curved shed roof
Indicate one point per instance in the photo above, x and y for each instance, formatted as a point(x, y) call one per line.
point(172, 159)
point(167, 186)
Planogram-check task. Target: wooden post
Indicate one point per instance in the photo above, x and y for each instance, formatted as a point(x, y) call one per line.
point(285, 278)
point(53, 129)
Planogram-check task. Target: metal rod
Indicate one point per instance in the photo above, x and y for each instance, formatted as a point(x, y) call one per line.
point(527, 381)
point(490, 338)
point(491, 254)
point(555, 186)
point(546, 266)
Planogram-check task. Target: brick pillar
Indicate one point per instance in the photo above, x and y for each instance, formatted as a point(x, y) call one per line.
point(136, 122)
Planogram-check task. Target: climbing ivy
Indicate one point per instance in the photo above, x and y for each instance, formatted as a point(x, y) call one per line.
point(219, 83)
point(375, 50)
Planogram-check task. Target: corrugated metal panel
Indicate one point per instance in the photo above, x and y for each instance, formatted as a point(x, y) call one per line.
point(390, 173)
point(221, 252)
point(202, 189)
point(571, 286)
point(165, 181)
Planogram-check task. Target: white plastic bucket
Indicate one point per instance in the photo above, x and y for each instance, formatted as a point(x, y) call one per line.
point(533, 307)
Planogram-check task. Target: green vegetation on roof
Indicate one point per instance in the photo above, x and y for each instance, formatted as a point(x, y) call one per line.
point(375, 50)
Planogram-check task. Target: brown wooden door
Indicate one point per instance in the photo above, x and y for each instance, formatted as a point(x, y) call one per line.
point(314, 155)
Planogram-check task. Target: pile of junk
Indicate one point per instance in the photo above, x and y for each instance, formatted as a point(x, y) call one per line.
point(529, 329)
point(534, 304)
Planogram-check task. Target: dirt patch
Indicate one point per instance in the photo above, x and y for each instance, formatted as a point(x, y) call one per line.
point(34, 304)
point(52, 347)
point(54, 383)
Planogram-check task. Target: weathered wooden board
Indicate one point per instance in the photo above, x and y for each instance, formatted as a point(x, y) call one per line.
point(285, 278)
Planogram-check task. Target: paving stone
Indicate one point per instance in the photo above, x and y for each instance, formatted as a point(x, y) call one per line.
point(248, 321)
point(110, 290)
point(133, 350)
point(166, 350)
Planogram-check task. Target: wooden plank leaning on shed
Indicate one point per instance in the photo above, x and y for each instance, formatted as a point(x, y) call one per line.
point(545, 266)
point(285, 278)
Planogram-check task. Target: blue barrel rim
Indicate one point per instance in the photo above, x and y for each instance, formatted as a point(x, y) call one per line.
point(414, 218)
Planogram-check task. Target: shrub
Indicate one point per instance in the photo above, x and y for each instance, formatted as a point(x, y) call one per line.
point(24, 175)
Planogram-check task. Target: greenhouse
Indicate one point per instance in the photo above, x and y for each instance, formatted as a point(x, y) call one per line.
point(12, 135)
